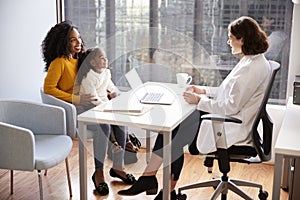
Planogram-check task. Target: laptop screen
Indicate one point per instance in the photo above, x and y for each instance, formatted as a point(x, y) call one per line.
point(133, 78)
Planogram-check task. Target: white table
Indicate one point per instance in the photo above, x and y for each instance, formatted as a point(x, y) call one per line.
point(287, 144)
point(161, 118)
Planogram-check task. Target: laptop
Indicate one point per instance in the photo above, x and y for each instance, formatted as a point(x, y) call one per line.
point(149, 93)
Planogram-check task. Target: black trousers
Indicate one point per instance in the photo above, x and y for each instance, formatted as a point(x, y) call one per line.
point(184, 134)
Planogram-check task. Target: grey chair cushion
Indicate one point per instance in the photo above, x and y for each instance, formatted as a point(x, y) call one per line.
point(51, 150)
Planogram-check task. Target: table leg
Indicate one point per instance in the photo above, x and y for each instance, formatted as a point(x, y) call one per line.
point(277, 176)
point(166, 165)
point(148, 145)
point(82, 160)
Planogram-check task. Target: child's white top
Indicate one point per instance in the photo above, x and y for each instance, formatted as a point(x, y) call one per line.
point(98, 85)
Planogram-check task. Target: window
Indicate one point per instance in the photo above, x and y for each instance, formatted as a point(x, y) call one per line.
point(184, 35)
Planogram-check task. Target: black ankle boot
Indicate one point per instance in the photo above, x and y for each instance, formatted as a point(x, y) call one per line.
point(160, 195)
point(144, 183)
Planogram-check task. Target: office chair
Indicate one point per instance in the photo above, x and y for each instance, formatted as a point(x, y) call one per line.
point(244, 154)
point(33, 137)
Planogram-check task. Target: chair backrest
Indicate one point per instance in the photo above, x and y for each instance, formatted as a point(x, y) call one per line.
point(26, 114)
point(263, 145)
point(71, 113)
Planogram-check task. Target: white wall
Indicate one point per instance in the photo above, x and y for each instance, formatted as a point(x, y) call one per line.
point(23, 24)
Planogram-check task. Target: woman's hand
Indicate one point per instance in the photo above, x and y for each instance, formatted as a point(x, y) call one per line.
point(112, 95)
point(191, 97)
point(86, 99)
point(195, 89)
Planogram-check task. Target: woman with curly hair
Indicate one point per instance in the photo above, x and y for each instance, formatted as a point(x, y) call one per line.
point(61, 48)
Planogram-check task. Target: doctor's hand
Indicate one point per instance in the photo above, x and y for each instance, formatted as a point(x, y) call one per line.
point(191, 97)
point(196, 90)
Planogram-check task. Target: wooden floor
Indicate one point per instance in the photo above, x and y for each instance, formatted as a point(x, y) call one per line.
point(56, 188)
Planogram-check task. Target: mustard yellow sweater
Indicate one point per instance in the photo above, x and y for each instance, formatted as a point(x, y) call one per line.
point(60, 79)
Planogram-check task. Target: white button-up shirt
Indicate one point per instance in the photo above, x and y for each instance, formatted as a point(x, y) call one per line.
point(239, 95)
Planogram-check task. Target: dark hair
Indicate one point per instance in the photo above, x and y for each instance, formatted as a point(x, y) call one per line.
point(254, 38)
point(56, 42)
point(84, 63)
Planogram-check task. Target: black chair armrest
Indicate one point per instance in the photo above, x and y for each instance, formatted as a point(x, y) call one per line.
point(221, 118)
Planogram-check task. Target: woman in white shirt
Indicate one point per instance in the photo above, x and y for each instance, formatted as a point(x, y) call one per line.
point(94, 78)
point(239, 95)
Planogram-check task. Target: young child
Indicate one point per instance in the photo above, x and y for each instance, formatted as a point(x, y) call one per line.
point(94, 77)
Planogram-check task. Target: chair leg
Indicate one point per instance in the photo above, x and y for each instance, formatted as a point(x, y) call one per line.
point(40, 184)
point(211, 183)
point(46, 170)
point(246, 183)
point(234, 188)
point(11, 181)
point(221, 189)
point(69, 177)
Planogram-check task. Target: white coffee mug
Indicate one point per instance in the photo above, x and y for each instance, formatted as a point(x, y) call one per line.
point(183, 79)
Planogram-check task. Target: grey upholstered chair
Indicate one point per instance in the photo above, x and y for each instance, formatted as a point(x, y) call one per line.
point(71, 114)
point(33, 137)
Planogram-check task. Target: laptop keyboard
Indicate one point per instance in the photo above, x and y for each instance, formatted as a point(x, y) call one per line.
point(152, 97)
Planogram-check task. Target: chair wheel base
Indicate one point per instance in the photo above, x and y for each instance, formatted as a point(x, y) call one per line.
point(263, 195)
point(181, 196)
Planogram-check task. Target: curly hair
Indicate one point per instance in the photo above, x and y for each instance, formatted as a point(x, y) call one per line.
point(254, 38)
point(84, 63)
point(56, 42)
